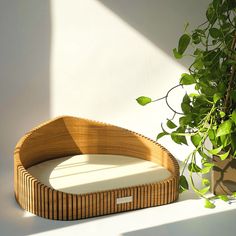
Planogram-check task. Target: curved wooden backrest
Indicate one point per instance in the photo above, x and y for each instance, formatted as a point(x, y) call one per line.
point(68, 136)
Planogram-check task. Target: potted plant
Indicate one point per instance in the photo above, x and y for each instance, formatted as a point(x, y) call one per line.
point(209, 113)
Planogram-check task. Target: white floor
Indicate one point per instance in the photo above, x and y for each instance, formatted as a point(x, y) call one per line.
point(185, 217)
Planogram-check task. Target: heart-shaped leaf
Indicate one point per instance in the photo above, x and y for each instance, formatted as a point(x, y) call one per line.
point(143, 100)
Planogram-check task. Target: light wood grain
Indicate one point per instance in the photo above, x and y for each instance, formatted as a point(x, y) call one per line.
point(70, 136)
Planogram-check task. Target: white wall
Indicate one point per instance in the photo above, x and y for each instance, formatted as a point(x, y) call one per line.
point(25, 47)
point(107, 53)
point(88, 58)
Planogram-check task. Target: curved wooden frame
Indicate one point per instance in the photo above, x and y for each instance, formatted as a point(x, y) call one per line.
point(65, 136)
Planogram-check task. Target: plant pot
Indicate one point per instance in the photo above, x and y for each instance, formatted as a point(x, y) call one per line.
point(224, 176)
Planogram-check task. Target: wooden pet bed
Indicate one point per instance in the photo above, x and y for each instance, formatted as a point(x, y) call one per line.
point(71, 168)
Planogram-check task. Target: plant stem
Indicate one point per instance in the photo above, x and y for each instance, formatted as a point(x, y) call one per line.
point(231, 80)
point(166, 99)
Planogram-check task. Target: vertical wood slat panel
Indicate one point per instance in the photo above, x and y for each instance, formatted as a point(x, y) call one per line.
point(94, 204)
point(60, 206)
point(113, 201)
point(32, 207)
point(64, 206)
point(119, 205)
point(101, 203)
point(70, 207)
point(53, 208)
point(98, 204)
point(149, 196)
point(42, 194)
point(79, 206)
point(132, 194)
point(86, 206)
point(108, 202)
point(83, 207)
point(39, 199)
point(135, 198)
point(104, 203)
point(47, 202)
point(75, 207)
point(129, 203)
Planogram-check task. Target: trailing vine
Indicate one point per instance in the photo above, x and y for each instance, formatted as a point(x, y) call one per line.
point(210, 112)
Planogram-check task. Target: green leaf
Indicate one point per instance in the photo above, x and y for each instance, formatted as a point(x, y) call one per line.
point(206, 170)
point(224, 128)
point(216, 150)
point(224, 156)
point(160, 135)
point(217, 97)
point(211, 14)
point(198, 64)
point(234, 116)
point(216, 3)
point(225, 140)
point(203, 191)
point(179, 139)
point(183, 43)
point(233, 141)
point(205, 182)
point(207, 167)
point(228, 5)
point(231, 62)
point(223, 198)
point(209, 204)
point(196, 38)
point(234, 194)
point(208, 164)
point(200, 32)
point(176, 54)
point(143, 100)
point(192, 167)
point(185, 120)
point(203, 154)
point(215, 33)
point(211, 134)
point(222, 114)
point(185, 105)
point(196, 139)
point(183, 184)
point(171, 124)
point(187, 79)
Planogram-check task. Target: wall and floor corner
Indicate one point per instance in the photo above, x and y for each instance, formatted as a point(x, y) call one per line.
point(88, 58)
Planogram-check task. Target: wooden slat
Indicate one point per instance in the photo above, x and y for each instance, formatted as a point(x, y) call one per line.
point(55, 205)
point(70, 207)
point(60, 206)
point(75, 207)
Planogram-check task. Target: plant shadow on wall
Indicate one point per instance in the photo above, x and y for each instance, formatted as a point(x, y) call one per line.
point(209, 112)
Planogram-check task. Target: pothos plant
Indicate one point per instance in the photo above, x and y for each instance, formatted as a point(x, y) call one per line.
point(210, 112)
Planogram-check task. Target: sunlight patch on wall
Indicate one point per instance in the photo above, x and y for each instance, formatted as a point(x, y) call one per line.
point(100, 65)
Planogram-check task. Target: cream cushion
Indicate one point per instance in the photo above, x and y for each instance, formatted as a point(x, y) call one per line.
point(88, 173)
